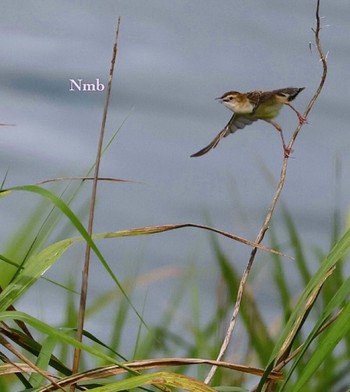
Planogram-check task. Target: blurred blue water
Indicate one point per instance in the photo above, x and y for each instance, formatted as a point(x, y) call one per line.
point(174, 58)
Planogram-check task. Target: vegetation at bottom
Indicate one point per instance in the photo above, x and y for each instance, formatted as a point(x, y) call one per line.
point(304, 347)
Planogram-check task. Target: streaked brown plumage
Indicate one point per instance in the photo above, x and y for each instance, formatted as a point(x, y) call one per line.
point(252, 106)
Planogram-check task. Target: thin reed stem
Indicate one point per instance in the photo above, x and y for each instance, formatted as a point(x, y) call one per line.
point(268, 217)
point(85, 277)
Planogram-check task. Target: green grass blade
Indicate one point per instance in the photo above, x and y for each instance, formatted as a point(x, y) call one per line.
point(32, 271)
point(306, 301)
point(327, 342)
point(18, 287)
point(320, 355)
point(315, 283)
point(43, 360)
point(57, 334)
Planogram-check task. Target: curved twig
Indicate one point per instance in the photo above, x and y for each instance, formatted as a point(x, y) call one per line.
point(268, 217)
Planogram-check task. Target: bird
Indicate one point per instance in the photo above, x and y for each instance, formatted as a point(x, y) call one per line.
point(252, 106)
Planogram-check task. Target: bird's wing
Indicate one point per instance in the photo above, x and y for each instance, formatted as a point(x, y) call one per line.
point(255, 98)
point(236, 122)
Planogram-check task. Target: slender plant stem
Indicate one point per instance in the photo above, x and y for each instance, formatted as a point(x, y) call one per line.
point(84, 284)
point(31, 365)
point(268, 217)
point(57, 179)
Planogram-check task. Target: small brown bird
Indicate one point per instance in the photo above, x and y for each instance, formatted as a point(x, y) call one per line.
point(252, 106)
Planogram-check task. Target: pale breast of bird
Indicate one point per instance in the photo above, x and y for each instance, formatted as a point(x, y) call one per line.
point(238, 105)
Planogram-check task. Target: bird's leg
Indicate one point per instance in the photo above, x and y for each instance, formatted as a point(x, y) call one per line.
point(301, 118)
point(287, 151)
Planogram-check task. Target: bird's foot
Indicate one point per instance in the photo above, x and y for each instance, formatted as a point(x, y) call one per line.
point(287, 151)
point(302, 119)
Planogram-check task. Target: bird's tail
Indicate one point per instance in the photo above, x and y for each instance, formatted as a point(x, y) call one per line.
point(290, 93)
point(236, 122)
point(212, 144)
